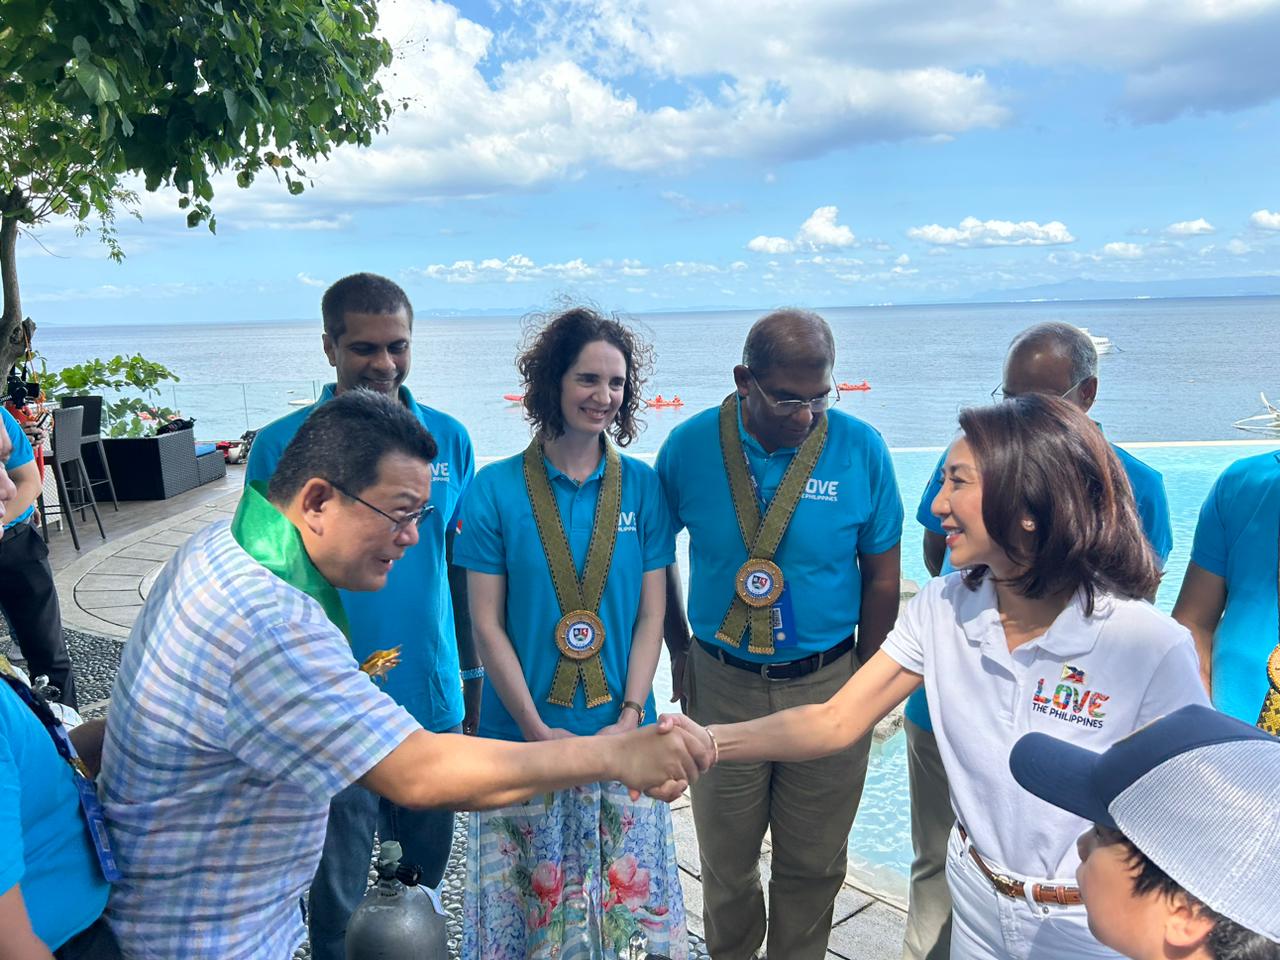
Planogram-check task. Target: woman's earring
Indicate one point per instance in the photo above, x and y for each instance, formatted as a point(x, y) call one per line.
point(1028, 524)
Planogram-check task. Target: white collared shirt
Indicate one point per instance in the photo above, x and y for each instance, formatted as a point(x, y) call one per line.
point(1090, 680)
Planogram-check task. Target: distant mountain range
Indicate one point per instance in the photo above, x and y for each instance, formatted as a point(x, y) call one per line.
point(1083, 289)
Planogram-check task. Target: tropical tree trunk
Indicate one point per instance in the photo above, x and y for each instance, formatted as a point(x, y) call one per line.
point(12, 331)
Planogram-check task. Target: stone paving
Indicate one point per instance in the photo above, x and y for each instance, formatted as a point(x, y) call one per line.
point(103, 590)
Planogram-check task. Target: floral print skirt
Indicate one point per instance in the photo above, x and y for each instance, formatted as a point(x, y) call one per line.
point(573, 874)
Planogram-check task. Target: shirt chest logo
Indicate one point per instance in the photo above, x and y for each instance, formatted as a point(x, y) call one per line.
point(626, 521)
point(1071, 700)
point(440, 471)
point(827, 491)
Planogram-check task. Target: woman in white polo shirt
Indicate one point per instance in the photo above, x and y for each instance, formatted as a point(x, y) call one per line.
point(1043, 629)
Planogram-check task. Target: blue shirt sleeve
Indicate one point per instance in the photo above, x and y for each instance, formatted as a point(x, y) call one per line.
point(659, 544)
point(12, 856)
point(1153, 510)
point(467, 456)
point(264, 456)
point(22, 454)
point(924, 512)
point(1209, 550)
point(884, 529)
point(666, 468)
point(479, 545)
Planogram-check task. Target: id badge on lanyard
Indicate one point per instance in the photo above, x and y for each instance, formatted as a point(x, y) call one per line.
point(782, 619)
point(94, 816)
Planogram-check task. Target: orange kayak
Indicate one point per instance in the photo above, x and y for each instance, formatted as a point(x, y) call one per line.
point(848, 387)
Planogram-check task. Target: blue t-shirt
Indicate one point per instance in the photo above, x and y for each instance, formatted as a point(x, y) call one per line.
point(1153, 510)
point(499, 536)
point(850, 506)
point(21, 455)
point(1237, 538)
point(414, 611)
point(44, 842)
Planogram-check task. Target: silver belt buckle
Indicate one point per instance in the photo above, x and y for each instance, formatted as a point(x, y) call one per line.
point(764, 673)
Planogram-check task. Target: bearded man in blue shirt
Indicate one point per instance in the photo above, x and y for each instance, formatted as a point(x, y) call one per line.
point(368, 328)
point(777, 605)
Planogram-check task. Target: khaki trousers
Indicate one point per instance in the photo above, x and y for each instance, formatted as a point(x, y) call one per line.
point(929, 905)
point(807, 808)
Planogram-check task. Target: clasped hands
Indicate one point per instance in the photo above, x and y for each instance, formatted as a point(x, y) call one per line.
point(661, 760)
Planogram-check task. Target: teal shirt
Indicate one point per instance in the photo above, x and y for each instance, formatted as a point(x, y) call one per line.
point(850, 506)
point(414, 611)
point(1238, 539)
point(499, 536)
point(19, 456)
point(44, 842)
point(1153, 510)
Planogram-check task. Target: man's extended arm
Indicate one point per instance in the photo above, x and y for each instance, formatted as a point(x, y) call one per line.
point(27, 479)
point(881, 589)
point(675, 631)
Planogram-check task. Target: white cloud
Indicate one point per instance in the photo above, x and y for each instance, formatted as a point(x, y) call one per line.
point(1265, 220)
point(1190, 228)
point(819, 232)
point(902, 260)
point(973, 232)
point(309, 281)
point(1238, 248)
point(1123, 251)
point(514, 269)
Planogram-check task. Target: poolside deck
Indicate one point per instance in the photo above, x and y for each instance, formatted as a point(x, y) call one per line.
point(103, 586)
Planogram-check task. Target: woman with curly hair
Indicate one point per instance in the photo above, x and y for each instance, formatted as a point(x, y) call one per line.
point(565, 547)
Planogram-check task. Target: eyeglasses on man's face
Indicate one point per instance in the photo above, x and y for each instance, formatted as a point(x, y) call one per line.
point(399, 524)
point(789, 408)
point(1002, 393)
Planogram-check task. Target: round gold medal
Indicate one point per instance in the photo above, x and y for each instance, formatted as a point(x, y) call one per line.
point(1273, 668)
point(759, 582)
point(579, 634)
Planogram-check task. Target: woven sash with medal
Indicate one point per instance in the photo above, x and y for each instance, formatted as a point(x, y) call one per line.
point(759, 581)
point(1269, 719)
point(579, 635)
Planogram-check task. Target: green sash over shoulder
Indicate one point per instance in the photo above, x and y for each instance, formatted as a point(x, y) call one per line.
point(580, 633)
point(759, 581)
point(269, 537)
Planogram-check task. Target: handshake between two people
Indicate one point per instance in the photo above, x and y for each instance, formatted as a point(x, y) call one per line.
point(662, 759)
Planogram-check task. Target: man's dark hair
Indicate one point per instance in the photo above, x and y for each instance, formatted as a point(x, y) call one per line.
point(361, 293)
point(551, 348)
point(1227, 940)
point(788, 338)
point(1041, 457)
point(1064, 339)
point(344, 442)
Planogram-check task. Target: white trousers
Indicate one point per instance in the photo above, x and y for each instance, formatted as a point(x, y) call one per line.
point(987, 925)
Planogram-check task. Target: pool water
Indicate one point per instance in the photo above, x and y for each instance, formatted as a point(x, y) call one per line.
point(880, 844)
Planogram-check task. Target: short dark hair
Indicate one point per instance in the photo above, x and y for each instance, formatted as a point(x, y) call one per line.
point(552, 346)
point(1227, 940)
point(787, 337)
point(361, 293)
point(344, 442)
point(1066, 339)
point(1042, 457)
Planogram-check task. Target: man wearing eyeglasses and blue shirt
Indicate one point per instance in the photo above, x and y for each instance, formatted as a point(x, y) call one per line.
point(794, 523)
point(368, 325)
point(1055, 359)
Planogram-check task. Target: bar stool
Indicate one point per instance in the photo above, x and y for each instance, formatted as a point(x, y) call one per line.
point(91, 434)
point(69, 472)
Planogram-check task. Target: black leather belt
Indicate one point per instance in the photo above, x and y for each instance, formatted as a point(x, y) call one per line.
point(789, 670)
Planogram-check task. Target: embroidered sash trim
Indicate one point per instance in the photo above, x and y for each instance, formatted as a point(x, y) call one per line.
point(759, 582)
point(580, 634)
point(1269, 718)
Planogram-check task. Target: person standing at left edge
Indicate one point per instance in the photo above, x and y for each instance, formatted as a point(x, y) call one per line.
point(422, 611)
point(794, 523)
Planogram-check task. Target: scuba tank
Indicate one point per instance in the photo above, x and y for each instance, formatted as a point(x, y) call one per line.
point(397, 920)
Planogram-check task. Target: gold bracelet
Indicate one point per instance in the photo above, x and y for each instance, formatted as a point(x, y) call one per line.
point(638, 708)
point(715, 747)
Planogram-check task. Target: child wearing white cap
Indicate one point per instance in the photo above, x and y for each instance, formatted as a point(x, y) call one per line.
point(1183, 859)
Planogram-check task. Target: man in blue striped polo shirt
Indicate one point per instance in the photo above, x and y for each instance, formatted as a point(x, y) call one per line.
point(368, 326)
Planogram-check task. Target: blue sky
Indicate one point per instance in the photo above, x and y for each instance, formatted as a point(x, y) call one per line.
point(741, 153)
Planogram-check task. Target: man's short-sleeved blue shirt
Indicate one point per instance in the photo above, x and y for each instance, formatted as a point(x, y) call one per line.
point(44, 841)
point(21, 455)
point(1153, 510)
point(1238, 539)
point(499, 536)
point(414, 610)
point(850, 506)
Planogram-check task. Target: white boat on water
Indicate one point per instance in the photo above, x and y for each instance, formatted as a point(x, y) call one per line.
point(1267, 422)
point(1101, 344)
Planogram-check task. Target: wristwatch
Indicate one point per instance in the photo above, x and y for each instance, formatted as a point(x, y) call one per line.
point(637, 707)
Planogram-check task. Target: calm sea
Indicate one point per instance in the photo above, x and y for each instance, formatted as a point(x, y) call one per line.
point(1181, 369)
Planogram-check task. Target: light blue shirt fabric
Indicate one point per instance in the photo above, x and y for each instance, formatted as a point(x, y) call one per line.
point(44, 841)
point(499, 536)
point(414, 611)
point(1238, 538)
point(850, 506)
point(236, 716)
point(20, 455)
point(1153, 510)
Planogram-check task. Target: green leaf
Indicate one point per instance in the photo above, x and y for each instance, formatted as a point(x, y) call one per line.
point(99, 86)
point(233, 106)
point(80, 47)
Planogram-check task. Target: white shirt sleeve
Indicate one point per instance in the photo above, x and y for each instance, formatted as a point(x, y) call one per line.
point(906, 641)
point(1174, 683)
